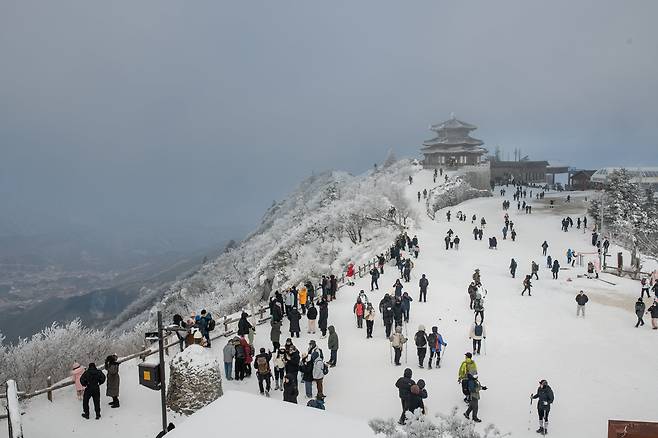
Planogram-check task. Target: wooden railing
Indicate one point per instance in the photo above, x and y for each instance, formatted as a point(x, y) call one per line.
point(226, 321)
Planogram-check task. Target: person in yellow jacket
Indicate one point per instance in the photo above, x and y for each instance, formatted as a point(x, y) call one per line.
point(467, 367)
point(302, 298)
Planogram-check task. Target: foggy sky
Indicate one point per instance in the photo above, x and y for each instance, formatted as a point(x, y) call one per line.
point(192, 116)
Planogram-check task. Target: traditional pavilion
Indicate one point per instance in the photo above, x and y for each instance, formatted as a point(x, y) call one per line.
point(453, 146)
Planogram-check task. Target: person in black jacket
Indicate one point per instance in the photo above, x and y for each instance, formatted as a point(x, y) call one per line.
point(546, 397)
point(404, 385)
point(263, 371)
point(421, 344)
point(423, 283)
point(294, 316)
point(374, 276)
point(312, 315)
point(244, 325)
point(324, 316)
point(91, 380)
point(581, 299)
point(512, 268)
point(290, 391)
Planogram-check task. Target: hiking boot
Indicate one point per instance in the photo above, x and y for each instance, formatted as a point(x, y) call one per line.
point(540, 430)
point(85, 416)
point(115, 405)
point(477, 420)
point(98, 416)
point(466, 415)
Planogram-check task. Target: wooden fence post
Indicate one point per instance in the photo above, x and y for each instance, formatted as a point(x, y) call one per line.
point(49, 383)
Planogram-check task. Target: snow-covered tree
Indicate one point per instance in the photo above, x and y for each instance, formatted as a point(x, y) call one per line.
point(628, 214)
point(452, 425)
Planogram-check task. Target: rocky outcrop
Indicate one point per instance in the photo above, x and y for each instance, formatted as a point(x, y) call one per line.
point(195, 380)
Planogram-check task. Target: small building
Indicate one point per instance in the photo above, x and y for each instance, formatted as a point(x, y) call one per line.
point(581, 179)
point(452, 147)
point(524, 171)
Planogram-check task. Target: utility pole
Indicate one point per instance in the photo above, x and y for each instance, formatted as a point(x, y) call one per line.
point(163, 391)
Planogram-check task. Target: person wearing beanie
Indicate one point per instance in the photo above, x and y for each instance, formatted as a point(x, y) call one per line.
point(545, 399)
point(474, 387)
point(397, 342)
point(421, 344)
point(263, 371)
point(404, 385)
point(92, 379)
point(76, 373)
point(435, 341)
point(467, 367)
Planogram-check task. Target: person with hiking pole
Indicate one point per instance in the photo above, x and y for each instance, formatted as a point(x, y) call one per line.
point(397, 342)
point(435, 342)
point(477, 333)
point(545, 398)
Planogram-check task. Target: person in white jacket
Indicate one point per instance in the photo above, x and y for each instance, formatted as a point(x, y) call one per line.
point(477, 333)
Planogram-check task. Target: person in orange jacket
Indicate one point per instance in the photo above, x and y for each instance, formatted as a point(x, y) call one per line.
point(302, 298)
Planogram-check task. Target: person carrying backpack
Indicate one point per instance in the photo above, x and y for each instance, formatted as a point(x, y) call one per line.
point(374, 276)
point(477, 333)
point(397, 342)
point(435, 342)
point(244, 325)
point(263, 371)
point(239, 359)
point(206, 325)
point(639, 311)
point(406, 306)
point(320, 369)
point(534, 269)
point(421, 344)
point(478, 306)
point(359, 311)
point(512, 268)
point(527, 285)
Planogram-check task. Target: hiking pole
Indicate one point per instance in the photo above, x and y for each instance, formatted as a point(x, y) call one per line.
point(530, 413)
point(484, 341)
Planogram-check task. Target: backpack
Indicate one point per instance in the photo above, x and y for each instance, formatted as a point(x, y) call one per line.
point(359, 309)
point(239, 352)
point(211, 324)
point(478, 330)
point(375, 273)
point(421, 340)
point(263, 365)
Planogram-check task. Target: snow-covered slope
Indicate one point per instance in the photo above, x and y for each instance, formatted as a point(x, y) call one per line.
point(600, 367)
point(238, 411)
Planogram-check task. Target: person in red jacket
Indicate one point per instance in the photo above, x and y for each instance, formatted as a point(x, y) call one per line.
point(359, 311)
point(248, 355)
point(350, 274)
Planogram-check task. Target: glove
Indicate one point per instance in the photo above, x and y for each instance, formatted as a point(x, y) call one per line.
point(545, 403)
point(485, 337)
point(484, 388)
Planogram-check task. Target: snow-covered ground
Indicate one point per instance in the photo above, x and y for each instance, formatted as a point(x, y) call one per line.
point(600, 367)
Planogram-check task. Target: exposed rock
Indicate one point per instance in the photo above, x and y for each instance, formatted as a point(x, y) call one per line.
point(195, 380)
